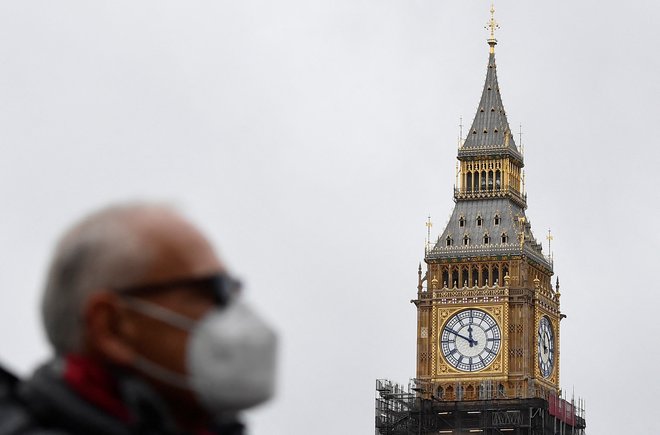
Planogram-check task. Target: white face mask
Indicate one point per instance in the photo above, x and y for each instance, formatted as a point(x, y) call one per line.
point(230, 356)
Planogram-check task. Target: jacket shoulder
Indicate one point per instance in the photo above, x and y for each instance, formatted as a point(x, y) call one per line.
point(15, 418)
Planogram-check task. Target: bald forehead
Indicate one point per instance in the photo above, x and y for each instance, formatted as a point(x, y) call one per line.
point(153, 219)
point(176, 247)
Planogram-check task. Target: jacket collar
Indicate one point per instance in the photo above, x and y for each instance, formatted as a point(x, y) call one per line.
point(83, 397)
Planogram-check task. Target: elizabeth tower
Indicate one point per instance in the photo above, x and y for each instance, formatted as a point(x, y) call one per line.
point(488, 314)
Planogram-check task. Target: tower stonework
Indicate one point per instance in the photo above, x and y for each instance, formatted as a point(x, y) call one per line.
point(488, 312)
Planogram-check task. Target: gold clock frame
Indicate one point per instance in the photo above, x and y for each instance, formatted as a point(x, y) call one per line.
point(551, 381)
point(441, 369)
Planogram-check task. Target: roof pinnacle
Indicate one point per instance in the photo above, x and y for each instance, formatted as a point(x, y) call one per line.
point(492, 25)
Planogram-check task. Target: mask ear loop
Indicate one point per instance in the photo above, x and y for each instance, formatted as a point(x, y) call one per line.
point(162, 374)
point(160, 313)
point(168, 317)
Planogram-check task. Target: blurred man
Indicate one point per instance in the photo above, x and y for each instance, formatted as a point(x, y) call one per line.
point(149, 333)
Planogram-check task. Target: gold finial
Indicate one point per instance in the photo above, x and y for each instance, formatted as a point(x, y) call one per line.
point(521, 236)
point(492, 25)
point(429, 224)
point(550, 238)
point(460, 135)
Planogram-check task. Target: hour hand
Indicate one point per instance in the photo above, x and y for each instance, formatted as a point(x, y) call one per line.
point(468, 339)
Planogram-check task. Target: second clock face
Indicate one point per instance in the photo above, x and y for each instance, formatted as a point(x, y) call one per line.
point(470, 340)
point(546, 347)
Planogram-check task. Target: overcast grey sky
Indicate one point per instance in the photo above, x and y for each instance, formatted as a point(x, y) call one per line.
point(311, 139)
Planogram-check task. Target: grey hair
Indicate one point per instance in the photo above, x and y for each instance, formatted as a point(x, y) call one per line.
point(102, 252)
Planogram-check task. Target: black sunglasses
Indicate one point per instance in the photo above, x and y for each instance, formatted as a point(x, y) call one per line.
point(223, 287)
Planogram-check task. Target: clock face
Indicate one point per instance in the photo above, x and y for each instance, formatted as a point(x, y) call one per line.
point(470, 340)
point(546, 347)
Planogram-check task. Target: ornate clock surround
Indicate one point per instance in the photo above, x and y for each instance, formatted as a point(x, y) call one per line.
point(441, 368)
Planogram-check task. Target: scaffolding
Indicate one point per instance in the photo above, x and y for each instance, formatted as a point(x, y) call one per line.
point(414, 410)
point(395, 405)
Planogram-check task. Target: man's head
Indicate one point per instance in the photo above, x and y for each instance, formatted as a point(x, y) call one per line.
point(114, 248)
point(139, 288)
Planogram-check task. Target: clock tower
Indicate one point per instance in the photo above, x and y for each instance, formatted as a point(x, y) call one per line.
point(488, 313)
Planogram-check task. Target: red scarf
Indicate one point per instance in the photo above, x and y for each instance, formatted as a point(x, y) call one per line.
point(93, 382)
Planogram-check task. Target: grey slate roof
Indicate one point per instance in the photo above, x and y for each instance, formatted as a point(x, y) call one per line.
point(496, 140)
point(490, 132)
point(509, 214)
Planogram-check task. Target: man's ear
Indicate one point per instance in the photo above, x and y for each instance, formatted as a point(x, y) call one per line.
point(109, 329)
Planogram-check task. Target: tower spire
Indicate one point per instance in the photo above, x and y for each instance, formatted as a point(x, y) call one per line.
point(490, 132)
point(492, 25)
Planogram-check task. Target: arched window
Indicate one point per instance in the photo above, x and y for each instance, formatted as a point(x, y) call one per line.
point(483, 181)
point(475, 276)
point(505, 238)
point(449, 241)
point(468, 183)
point(479, 221)
point(454, 277)
point(486, 239)
point(498, 180)
point(461, 222)
point(497, 219)
point(496, 275)
point(490, 180)
point(476, 181)
point(466, 240)
point(445, 277)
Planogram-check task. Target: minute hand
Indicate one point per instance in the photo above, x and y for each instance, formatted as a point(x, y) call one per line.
point(469, 340)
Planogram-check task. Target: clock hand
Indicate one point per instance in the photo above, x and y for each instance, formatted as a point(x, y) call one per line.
point(542, 339)
point(468, 339)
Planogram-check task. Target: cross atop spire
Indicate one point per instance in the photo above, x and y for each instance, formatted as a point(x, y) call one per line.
point(492, 25)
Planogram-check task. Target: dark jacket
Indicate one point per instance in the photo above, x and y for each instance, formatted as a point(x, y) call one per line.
point(46, 405)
